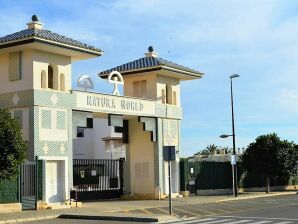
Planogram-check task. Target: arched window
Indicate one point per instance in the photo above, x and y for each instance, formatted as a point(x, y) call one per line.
point(174, 98)
point(43, 79)
point(163, 96)
point(168, 94)
point(62, 82)
point(50, 77)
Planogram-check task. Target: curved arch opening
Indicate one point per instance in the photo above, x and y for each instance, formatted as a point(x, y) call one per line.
point(50, 77)
point(62, 82)
point(43, 80)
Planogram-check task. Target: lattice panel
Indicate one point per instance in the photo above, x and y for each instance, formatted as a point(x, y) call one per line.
point(61, 120)
point(15, 66)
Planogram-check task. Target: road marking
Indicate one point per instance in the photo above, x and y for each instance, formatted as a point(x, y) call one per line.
point(240, 221)
point(145, 211)
point(217, 221)
point(195, 221)
point(282, 222)
point(261, 222)
point(245, 217)
point(200, 210)
point(181, 210)
point(221, 210)
point(161, 209)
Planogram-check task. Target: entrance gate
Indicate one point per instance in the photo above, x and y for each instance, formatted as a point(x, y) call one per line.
point(98, 178)
point(28, 185)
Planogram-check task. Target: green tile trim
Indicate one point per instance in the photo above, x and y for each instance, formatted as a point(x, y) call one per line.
point(25, 99)
point(57, 99)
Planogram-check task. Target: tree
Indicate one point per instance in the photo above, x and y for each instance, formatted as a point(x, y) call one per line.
point(204, 152)
point(12, 146)
point(272, 157)
point(213, 149)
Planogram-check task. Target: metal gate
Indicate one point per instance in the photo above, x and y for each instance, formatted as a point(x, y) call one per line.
point(98, 178)
point(28, 185)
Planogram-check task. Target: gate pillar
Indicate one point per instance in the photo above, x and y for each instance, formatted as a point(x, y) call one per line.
point(142, 170)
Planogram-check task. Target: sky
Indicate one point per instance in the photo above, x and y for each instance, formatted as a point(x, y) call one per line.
point(256, 39)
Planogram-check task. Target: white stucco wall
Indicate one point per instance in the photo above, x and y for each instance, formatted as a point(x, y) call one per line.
point(91, 146)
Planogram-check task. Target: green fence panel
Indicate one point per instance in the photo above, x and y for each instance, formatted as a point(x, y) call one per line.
point(214, 175)
point(183, 175)
point(39, 179)
point(9, 191)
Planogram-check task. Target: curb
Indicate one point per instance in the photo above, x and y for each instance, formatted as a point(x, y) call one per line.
point(110, 218)
point(28, 219)
point(257, 196)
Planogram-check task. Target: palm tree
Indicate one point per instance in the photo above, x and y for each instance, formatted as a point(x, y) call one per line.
point(212, 149)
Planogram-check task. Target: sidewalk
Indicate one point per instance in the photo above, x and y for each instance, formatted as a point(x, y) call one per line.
point(119, 208)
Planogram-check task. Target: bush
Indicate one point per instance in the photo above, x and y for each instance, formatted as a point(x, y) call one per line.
point(12, 146)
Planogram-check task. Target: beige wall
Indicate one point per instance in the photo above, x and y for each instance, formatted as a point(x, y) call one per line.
point(27, 80)
point(141, 159)
point(154, 84)
point(150, 84)
point(33, 63)
point(61, 65)
point(173, 85)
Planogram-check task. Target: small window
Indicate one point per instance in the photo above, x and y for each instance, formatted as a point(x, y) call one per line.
point(167, 94)
point(62, 82)
point(89, 122)
point(174, 98)
point(140, 89)
point(80, 132)
point(143, 89)
point(61, 120)
point(43, 79)
point(136, 89)
point(46, 119)
point(163, 96)
point(50, 77)
point(15, 66)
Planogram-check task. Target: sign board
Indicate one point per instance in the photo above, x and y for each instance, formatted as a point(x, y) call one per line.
point(114, 104)
point(233, 159)
point(169, 153)
point(191, 170)
point(192, 182)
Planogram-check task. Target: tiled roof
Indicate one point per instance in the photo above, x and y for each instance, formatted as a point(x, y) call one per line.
point(147, 63)
point(46, 35)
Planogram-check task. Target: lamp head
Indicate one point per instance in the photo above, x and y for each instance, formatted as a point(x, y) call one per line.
point(234, 76)
point(224, 136)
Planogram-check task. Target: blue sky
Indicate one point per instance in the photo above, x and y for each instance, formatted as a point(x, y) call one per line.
point(256, 39)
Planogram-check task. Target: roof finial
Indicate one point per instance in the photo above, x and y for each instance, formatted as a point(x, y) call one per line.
point(34, 18)
point(151, 52)
point(35, 24)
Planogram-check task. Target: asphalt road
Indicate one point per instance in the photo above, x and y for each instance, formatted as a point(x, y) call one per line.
point(268, 210)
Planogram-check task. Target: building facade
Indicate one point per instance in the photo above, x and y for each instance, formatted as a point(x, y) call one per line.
point(60, 123)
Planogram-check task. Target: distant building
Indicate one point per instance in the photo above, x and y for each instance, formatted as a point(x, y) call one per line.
point(222, 156)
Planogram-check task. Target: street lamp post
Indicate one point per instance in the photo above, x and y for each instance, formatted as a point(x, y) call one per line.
point(234, 165)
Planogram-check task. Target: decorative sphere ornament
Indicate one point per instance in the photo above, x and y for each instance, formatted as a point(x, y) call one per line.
point(150, 49)
point(34, 18)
